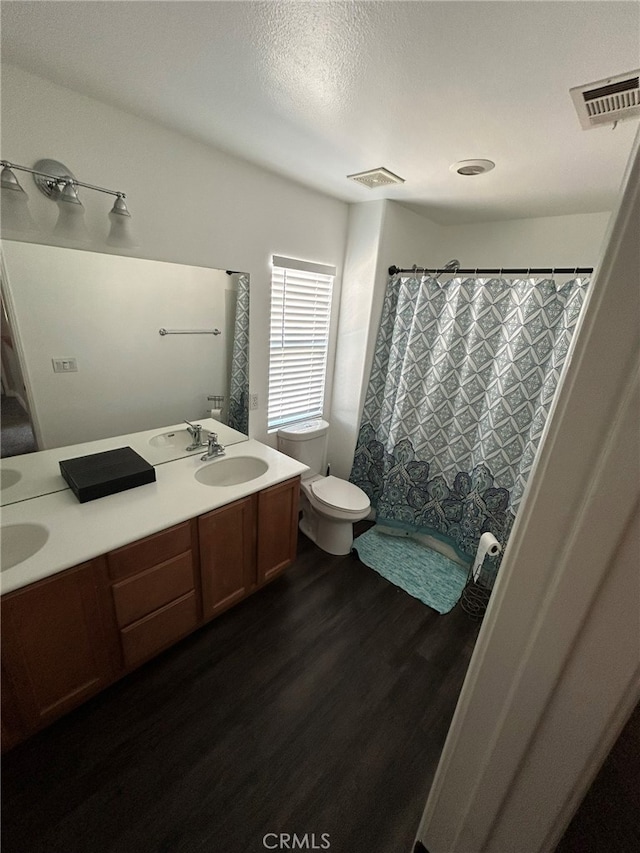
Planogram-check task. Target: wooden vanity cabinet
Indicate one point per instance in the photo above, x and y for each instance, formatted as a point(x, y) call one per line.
point(227, 555)
point(56, 650)
point(156, 597)
point(277, 529)
point(246, 544)
point(68, 636)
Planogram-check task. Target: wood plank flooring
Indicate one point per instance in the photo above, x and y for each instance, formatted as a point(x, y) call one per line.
point(608, 820)
point(319, 705)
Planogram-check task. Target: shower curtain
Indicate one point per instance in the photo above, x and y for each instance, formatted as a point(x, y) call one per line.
point(238, 414)
point(461, 384)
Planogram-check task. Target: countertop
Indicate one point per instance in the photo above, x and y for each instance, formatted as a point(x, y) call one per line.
point(79, 532)
point(40, 472)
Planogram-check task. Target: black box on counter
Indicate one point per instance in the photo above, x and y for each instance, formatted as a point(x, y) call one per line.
point(101, 474)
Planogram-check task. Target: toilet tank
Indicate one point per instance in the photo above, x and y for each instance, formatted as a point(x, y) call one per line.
point(306, 442)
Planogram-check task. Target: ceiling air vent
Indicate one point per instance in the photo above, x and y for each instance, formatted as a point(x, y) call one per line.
point(608, 101)
point(376, 178)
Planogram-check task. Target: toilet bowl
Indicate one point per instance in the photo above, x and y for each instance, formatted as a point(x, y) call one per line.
point(329, 504)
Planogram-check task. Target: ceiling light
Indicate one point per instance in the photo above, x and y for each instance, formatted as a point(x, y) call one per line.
point(376, 178)
point(472, 167)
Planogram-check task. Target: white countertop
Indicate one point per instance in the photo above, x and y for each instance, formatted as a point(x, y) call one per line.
point(79, 532)
point(40, 472)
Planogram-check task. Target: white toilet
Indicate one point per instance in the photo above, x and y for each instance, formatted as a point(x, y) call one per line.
point(329, 505)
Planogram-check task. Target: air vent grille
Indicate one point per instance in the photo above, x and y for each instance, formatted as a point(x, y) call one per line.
point(608, 101)
point(376, 178)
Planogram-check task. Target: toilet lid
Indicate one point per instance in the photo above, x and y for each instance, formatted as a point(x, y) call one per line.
point(340, 494)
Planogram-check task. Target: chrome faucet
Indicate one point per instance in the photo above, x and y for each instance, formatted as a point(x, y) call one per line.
point(213, 448)
point(195, 431)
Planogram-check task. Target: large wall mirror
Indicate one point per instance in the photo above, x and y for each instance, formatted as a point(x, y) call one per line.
point(83, 352)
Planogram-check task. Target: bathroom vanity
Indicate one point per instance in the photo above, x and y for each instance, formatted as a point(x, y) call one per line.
point(119, 579)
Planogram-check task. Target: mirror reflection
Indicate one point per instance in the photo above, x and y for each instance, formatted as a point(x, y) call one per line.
point(96, 346)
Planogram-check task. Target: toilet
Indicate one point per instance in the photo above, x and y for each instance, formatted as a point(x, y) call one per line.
point(329, 505)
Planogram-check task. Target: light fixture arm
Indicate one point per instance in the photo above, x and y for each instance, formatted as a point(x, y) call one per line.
point(55, 181)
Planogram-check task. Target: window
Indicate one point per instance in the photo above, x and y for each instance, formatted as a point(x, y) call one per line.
point(299, 335)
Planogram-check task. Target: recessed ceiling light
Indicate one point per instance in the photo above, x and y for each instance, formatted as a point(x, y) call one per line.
point(376, 178)
point(472, 167)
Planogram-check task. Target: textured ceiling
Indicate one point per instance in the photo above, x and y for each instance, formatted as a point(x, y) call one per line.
point(316, 91)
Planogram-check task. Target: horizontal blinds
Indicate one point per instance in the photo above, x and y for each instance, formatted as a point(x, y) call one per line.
point(299, 335)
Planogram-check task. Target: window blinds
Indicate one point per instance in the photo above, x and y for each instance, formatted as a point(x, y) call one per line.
point(299, 336)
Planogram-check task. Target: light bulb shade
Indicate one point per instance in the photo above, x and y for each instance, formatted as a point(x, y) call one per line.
point(120, 207)
point(15, 216)
point(69, 195)
point(71, 226)
point(10, 182)
point(120, 231)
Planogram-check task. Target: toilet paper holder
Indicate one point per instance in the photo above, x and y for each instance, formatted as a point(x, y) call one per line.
point(476, 594)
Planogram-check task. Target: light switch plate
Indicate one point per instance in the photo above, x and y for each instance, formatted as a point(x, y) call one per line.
point(65, 365)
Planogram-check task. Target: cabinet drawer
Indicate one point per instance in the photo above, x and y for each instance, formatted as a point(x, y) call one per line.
point(143, 593)
point(149, 552)
point(154, 632)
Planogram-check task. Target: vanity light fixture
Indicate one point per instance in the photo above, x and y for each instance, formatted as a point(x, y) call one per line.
point(59, 184)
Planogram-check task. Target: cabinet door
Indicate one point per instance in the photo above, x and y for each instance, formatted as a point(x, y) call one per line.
point(277, 528)
point(13, 727)
point(55, 649)
point(227, 555)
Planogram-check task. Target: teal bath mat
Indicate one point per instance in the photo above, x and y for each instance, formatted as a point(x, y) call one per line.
point(425, 574)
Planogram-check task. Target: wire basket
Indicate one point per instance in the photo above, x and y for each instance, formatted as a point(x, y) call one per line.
point(474, 599)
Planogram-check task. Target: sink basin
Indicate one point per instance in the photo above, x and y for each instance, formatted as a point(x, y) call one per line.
point(232, 471)
point(8, 477)
point(181, 438)
point(20, 541)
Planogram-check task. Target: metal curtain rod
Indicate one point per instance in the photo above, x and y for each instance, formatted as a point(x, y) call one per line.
point(393, 270)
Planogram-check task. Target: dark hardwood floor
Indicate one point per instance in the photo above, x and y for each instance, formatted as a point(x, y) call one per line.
point(608, 820)
point(319, 705)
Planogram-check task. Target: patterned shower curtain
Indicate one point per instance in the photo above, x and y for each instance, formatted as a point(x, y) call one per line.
point(238, 414)
point(462, 380)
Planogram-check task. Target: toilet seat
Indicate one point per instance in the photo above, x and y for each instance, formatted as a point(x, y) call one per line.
point(334, 493)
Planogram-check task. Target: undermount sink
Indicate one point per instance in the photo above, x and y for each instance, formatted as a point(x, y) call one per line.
point(20, 541)
point(180, 438)
point(9, 477)
point(231, 471)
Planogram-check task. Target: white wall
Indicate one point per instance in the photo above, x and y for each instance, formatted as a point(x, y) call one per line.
point(364, 229)
point(550, 241)
point(190, 203)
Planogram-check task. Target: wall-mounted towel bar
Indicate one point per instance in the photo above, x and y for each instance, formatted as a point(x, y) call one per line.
point(190, 332)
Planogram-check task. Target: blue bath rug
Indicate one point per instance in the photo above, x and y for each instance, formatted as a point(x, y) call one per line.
point(425, 574)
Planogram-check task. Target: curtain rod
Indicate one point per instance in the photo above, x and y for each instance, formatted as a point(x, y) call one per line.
point(393, 270)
